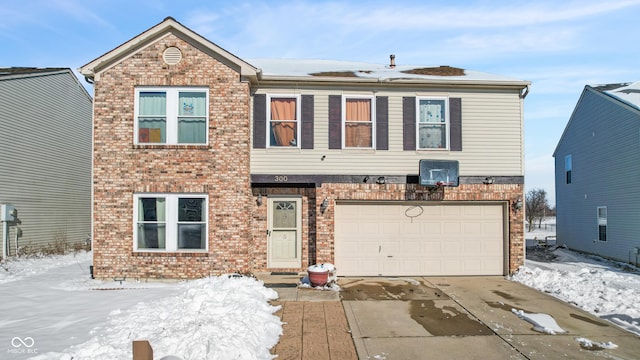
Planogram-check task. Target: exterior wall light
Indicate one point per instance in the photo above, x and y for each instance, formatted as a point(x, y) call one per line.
point(488, 180)
point(517, 205)
point(259, 200)
point(324, 205)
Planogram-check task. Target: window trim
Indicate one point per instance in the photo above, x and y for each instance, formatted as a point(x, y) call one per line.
point(171, 221)
point(447, 122)
point(568, 169)
point(172, 113)
point(602, 221)
point(298, 120)
point(343, 123)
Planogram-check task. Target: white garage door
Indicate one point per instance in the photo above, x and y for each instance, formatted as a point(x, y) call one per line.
point(407, 239)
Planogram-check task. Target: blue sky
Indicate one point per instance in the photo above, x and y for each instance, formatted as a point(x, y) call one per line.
point(560, 46)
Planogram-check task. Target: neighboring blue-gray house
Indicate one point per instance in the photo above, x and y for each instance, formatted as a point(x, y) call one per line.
point(597, 173)
point(45, 161)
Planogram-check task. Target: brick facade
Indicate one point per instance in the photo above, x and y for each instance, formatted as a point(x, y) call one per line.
point(237, 223)
point(318, 241)
point(220, 169)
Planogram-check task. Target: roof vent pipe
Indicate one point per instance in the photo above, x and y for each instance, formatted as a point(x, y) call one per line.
point(392, 61)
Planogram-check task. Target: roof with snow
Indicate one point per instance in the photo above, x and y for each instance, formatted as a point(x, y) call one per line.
point(628, 93)
point(21, 71)
point(362, 71)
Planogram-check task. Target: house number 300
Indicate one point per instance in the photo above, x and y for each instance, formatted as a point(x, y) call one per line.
point(280, 178)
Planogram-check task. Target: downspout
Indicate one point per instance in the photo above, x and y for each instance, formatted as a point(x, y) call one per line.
point(524, 93)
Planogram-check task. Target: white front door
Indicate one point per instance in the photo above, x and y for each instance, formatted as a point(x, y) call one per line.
point(284, 240)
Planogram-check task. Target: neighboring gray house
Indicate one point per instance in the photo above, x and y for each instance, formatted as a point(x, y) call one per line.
point(45, 167)
point(597, 171)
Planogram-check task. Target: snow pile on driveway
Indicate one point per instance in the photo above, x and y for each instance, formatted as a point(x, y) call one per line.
point(543, 323)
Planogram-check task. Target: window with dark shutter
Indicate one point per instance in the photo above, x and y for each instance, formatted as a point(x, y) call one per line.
point(382, 123)
point(307, 122)
point(335, 122)
point(409, 123)
point(455, 119)
point(259, 121)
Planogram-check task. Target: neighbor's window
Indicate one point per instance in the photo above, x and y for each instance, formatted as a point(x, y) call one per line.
point(284, 121)
point(358, 122)
point(567, 168)
point(170, 222)
point(171, 115)
point(602, 223)
point(433, 123)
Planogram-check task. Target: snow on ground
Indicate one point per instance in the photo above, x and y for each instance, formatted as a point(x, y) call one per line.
point(604, 288)
point(51, 309)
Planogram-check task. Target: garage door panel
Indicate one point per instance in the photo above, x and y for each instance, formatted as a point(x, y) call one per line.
point(369, 228)
point(473, 247)
point(390, 228)
point(459, 239)
point(432, 229)
point(452, 227)
point(473, 227)
point(410, 247)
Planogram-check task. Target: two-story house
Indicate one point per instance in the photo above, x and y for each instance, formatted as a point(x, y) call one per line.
point(597, 165)
point(206, 163)
point(45, 167)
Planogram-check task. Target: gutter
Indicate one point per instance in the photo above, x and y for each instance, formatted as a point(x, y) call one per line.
point(330, 79)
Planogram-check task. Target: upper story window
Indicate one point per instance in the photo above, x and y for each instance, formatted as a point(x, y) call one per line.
point(433, 123)
point(171, 115)
point(284, 124)
point(170, 222)
point(567, 168)
point(358, 122)
point(602, 223)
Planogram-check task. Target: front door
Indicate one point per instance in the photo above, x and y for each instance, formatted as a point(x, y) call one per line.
point(284, 232)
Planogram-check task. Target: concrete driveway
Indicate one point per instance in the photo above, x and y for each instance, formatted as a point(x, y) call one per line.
point(470, 318)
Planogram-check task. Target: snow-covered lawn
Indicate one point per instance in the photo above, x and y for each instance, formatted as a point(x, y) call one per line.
point(604, 288)
point(51, 309)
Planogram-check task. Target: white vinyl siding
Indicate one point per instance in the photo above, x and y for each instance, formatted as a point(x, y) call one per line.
point(492, 140)
point(46, 157)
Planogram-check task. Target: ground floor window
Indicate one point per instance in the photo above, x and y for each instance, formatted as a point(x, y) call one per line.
point(602, 223)
point(170, 222)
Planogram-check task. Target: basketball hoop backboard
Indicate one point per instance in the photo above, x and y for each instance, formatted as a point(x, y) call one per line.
point(438, 172)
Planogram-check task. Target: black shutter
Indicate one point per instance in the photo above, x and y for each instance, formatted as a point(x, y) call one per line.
point(382, 123)
point(259, 121)
point(409, 123)
point(307, 122)
point(455, 119)
point(335, 122)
